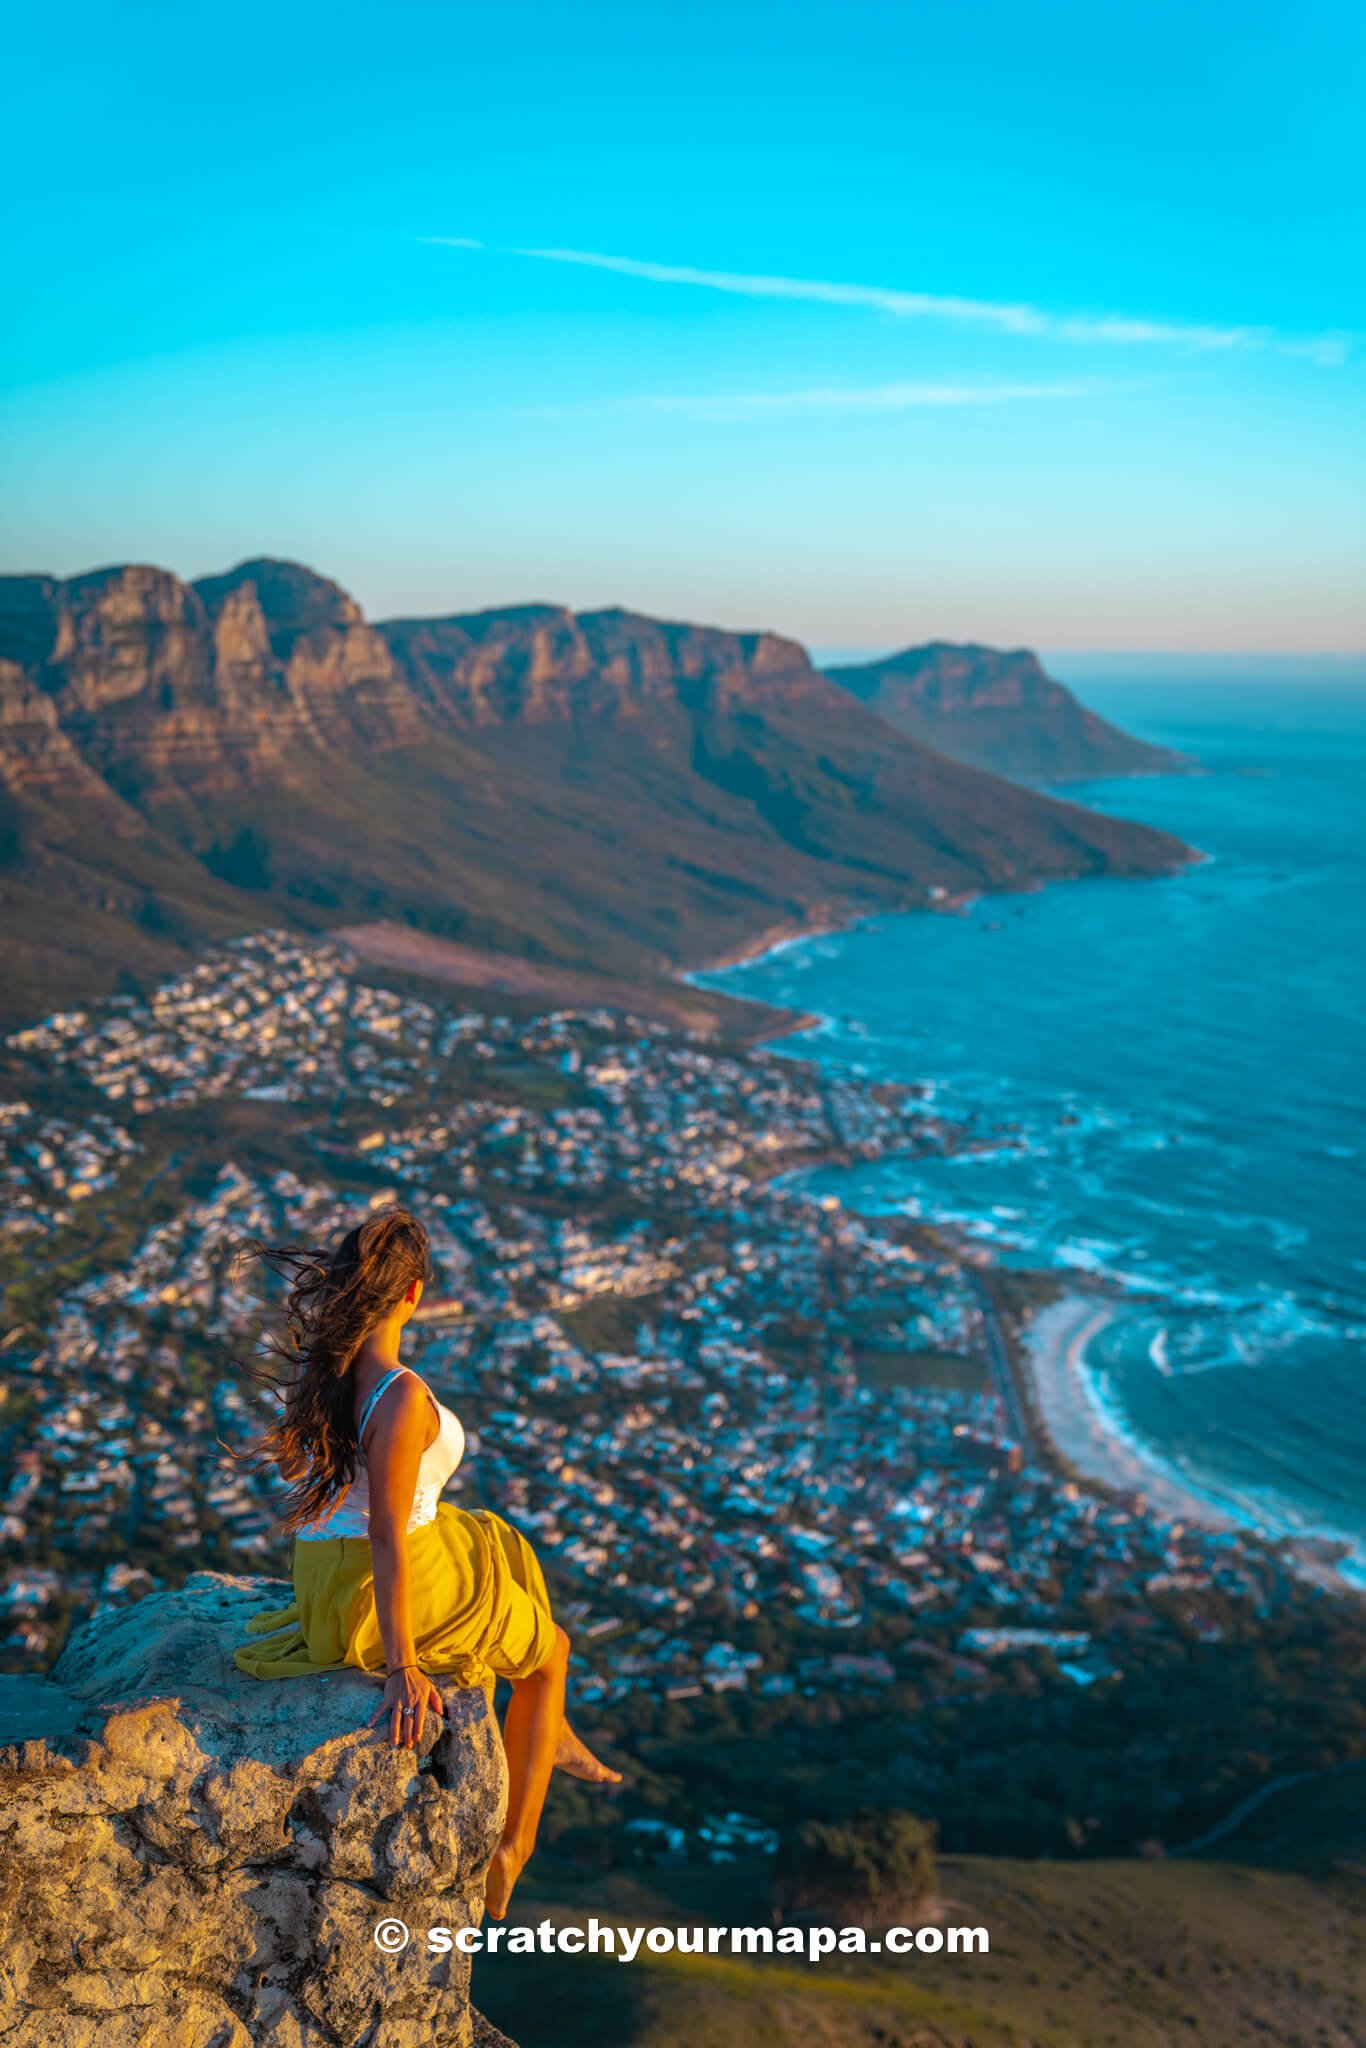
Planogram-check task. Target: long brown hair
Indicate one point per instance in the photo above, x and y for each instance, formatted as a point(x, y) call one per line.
point(335, 1299)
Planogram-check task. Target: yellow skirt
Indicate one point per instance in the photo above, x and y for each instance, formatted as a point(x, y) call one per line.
point(480, 1608)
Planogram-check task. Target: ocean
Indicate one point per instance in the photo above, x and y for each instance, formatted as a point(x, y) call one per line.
point(1173, 1075)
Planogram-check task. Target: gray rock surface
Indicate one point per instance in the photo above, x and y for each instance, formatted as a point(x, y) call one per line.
point(190, 1858)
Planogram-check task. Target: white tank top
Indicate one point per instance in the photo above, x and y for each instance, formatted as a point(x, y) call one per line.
point(350, 1516)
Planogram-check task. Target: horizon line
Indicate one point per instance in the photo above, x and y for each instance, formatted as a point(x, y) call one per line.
point(818, 649)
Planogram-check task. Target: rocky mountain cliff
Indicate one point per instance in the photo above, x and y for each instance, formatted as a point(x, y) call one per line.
point(162, 687)
point(541, 664)
point(195, 1859)
point(179, 761)
point(999, 711)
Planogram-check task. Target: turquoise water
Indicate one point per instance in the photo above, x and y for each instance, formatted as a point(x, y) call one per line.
point(1173, 1071)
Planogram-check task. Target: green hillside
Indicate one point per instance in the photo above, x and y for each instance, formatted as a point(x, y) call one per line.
point(1096, 1955)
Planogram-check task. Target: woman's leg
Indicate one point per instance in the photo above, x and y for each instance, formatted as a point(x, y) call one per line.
point(536, 1735)
point(575, 1757)
point(531, 1737)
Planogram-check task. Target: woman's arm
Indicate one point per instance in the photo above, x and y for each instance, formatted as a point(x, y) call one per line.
point(394, 1445)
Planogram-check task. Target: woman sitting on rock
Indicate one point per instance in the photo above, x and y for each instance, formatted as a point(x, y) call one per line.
point(388, 1577)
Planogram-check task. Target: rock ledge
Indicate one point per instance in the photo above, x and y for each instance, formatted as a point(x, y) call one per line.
point(192, 1858)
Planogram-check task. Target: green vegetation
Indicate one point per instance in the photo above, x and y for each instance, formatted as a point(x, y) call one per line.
point(609, 1322)
point(873, 1862)
point(929, 1368)
point(1317, 1826)
point(1006, 1755)
point(1109, 1955)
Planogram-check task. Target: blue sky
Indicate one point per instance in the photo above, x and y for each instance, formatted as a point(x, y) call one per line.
point(868, 323)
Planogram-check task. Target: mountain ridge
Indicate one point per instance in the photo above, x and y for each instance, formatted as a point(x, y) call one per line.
point(998, 709)
point(599, 790)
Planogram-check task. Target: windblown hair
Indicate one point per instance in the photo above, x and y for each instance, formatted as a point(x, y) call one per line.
point(335, 1299)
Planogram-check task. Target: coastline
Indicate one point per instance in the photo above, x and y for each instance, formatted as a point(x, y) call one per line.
point(1053, 1352)
point(790, 932)
point(830, 919)
point(1072, 1411)
point(1075, 1418)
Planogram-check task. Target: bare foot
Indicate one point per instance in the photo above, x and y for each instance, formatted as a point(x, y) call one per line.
point(503, 1874)
point(575, 1757)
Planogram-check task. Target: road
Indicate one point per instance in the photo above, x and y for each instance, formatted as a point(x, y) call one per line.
point(998, 1358)
point(1247, 1806)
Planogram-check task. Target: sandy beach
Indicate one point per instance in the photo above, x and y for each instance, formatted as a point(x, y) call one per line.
point(1055, 1351)
point(1072, 1413)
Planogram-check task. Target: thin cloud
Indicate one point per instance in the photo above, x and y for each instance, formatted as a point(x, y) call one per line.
point(1100, 329)
point(1125, 333)
point(908, 305)
point(744, 405)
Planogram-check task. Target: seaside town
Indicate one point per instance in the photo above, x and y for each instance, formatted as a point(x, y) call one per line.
point(764, 1445)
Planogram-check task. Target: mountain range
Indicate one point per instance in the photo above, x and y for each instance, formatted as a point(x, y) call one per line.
point(999, 710)
point(183, 761)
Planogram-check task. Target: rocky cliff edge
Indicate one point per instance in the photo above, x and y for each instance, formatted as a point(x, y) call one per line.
point(190, 1858)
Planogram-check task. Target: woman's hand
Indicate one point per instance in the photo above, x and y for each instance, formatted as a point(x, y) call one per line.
point(409, 1696)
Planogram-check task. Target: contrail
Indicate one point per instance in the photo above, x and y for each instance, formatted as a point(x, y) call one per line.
point(1113, 330)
